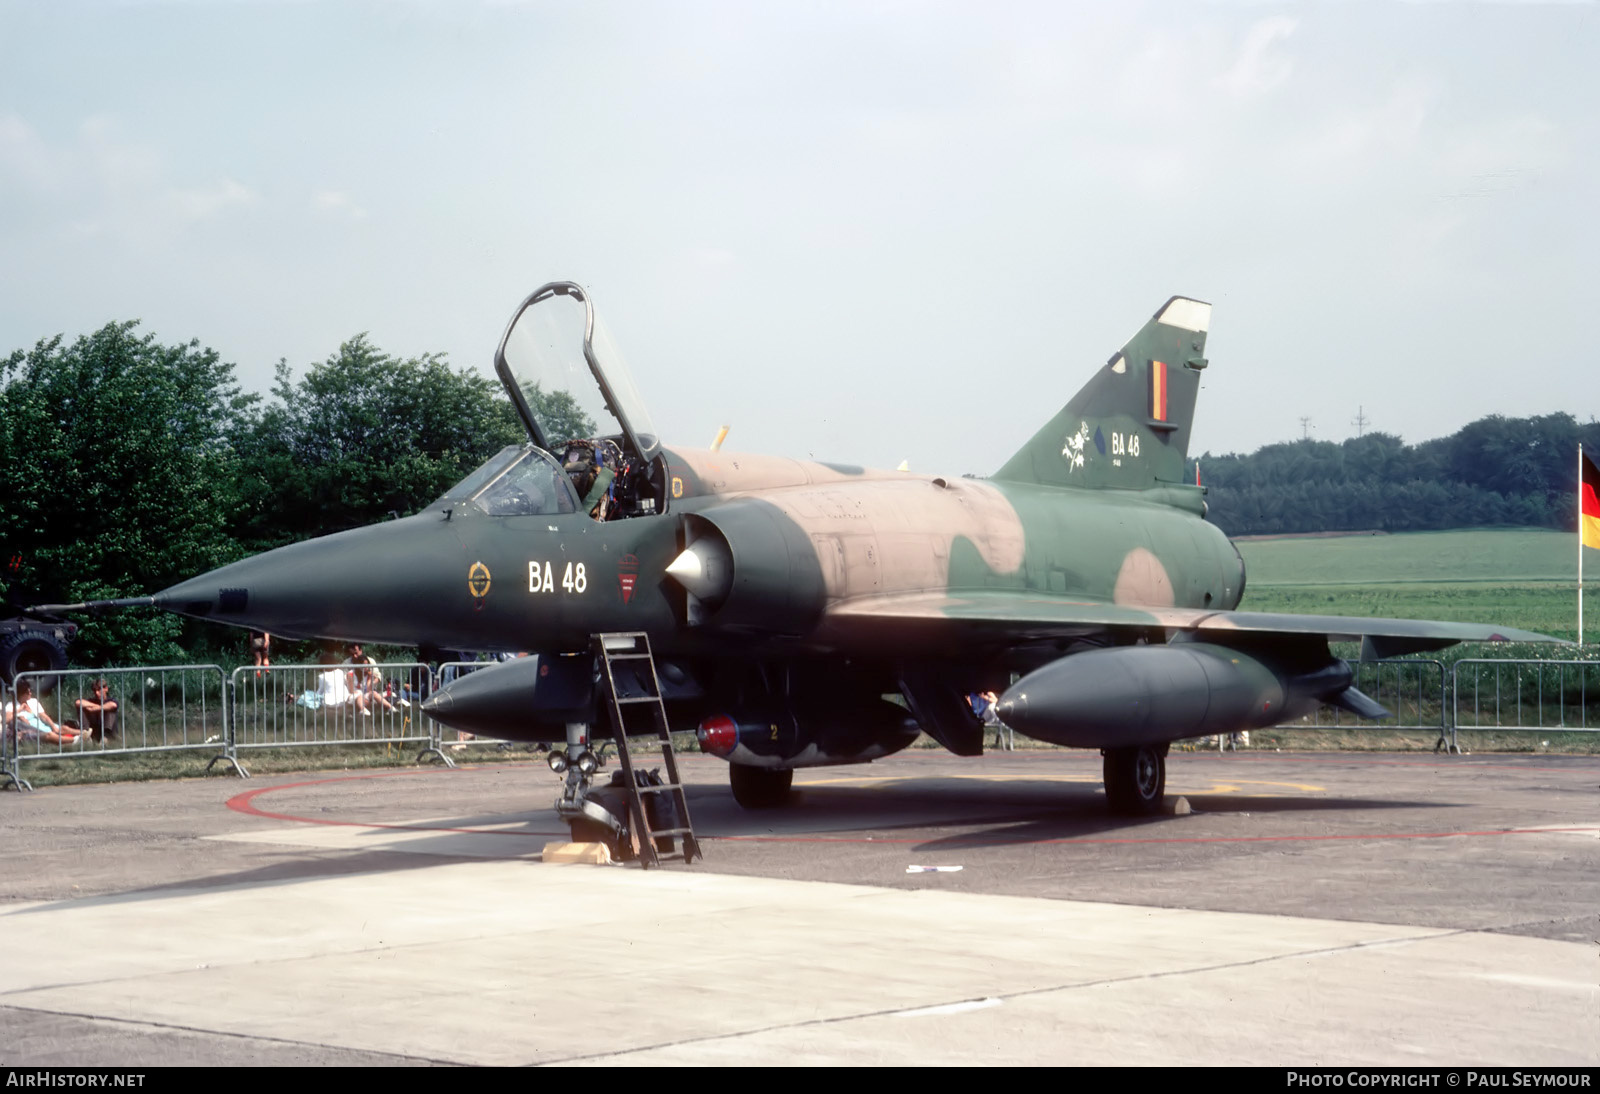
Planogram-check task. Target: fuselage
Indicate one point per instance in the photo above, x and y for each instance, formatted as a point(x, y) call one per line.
point(805, 537)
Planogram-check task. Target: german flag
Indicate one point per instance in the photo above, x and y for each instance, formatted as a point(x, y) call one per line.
point(1589, 504)
point(1158, 390)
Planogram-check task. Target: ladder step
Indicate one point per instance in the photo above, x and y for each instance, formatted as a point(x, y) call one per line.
point(655, 741)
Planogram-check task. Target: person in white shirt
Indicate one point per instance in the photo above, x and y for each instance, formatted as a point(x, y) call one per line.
point(26, 719)
point(335, 692)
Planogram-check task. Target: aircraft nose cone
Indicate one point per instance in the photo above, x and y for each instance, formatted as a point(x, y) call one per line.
point(364, 584)
point(205, 597)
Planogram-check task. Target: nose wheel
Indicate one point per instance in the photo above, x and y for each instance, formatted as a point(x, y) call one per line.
point(1136, 779)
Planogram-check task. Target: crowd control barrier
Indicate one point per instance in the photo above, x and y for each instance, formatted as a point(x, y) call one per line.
point(292, 706)
point(152, 708)
point(1411, 690)
point(1531, 696)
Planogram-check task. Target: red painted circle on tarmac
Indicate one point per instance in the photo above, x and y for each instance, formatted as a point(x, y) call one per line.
point(245, 803)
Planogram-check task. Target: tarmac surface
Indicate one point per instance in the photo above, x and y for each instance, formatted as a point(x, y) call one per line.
point(1314, 909)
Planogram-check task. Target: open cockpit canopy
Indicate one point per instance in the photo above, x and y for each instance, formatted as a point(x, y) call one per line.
point(566, 377)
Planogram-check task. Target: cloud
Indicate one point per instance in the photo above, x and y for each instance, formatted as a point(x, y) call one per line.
point(24, 158)
point(94, 180)
point(1259, 67)
point(204, 203)
point(1353, 141)
point(711, 259)
point(337, 203)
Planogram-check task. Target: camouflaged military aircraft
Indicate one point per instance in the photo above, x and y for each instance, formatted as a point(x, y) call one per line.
point(789, 602)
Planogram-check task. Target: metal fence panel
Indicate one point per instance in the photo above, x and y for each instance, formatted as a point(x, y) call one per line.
point(8, 745)
point(151, 708)
point(1562, 696)
point(1411, 689)
point(287, 706)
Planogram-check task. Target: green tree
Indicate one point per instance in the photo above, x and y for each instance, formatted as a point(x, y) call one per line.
point(116, 478)
point(1493, 471)
point(361, 436)
point(559, 415)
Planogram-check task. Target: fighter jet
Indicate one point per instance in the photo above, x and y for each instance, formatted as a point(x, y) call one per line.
point(805, 613)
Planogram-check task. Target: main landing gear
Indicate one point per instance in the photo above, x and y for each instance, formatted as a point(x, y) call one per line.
point(760, 787)
point(1136, 779)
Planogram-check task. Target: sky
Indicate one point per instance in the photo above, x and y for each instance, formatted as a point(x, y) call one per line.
point(862, 231)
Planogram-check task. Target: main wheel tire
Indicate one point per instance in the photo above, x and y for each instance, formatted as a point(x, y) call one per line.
point(760, 787)
point(1136, 779)
point(31, 651)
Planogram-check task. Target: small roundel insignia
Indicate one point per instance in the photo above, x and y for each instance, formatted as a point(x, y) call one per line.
point(478, 580)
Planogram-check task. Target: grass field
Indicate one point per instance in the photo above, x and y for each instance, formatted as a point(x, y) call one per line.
point(1517, 577)
point(1497, 555)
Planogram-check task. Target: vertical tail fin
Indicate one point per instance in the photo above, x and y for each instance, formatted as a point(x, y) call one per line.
point(1129, 426)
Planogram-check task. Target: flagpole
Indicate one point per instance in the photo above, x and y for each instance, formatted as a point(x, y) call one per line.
point(1580, 544)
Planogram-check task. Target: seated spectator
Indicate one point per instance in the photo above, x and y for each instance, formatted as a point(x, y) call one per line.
point(26, 720)
point(333, 690)
point(98, 715)
point(367, 680)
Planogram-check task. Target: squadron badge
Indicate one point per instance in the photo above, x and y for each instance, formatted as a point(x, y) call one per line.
point(1072, 451)
point(478, 580)
point(627, 575)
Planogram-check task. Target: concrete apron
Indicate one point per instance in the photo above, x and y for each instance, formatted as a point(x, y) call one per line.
point(512, 961)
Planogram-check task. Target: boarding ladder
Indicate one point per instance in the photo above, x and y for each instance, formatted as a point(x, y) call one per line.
point(632, 696)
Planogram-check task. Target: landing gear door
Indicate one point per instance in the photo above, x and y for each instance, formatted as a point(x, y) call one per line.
point(566, 377)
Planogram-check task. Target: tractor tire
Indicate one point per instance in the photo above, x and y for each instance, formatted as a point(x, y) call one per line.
point(31, 651)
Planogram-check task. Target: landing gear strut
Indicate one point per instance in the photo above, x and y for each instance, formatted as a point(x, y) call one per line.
point(760, 787)
point(1136, 779)
point(593, 815)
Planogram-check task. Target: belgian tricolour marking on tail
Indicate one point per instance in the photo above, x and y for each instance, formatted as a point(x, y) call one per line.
point(1129, 426)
